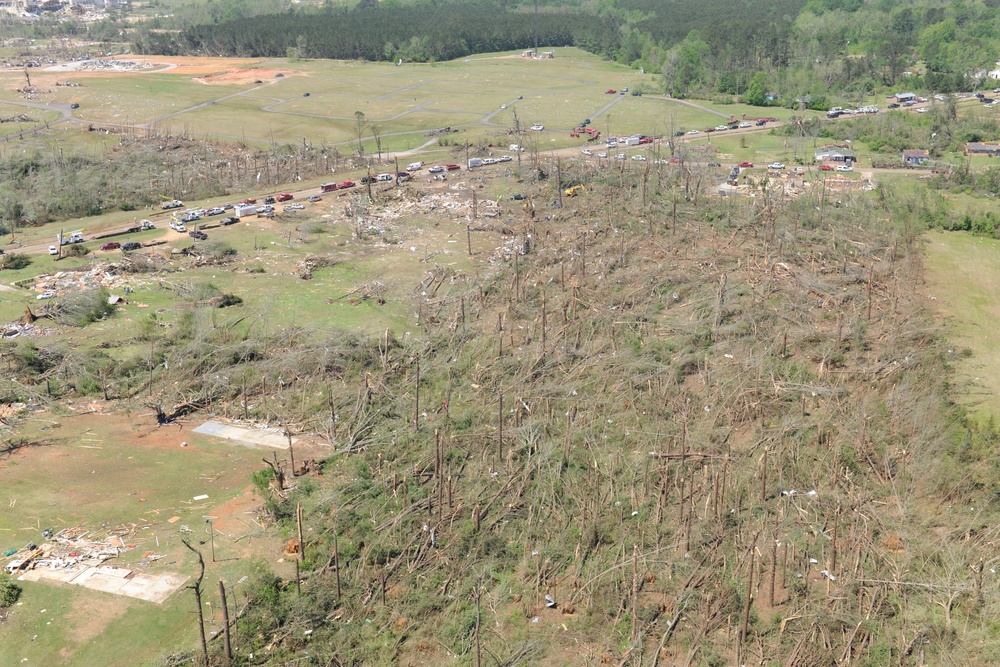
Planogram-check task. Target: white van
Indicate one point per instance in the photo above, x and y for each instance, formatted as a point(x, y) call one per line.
point(414, 166)
point(385, 177)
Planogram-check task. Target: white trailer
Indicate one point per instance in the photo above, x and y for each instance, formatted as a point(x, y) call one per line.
point(242, 211)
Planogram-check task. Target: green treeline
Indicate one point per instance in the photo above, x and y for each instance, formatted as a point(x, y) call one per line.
point(785, 52)
point(422, 33)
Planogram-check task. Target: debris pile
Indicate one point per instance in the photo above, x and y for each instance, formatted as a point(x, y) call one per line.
point(112, 276)
point(70, 549)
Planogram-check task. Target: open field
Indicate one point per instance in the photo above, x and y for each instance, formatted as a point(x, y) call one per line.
point(102, 472)
point(963, 277)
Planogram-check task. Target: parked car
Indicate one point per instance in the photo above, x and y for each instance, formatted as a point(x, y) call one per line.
point(602, 154)
point(760, 122)
point(639, 158)
point(47, 294)
point(131, 245)
point(745, 124)
point(537, 127)
point(610, 91)
point(714, 164)
point(218, 210)
point(53, 250)
point(111, 245)
point(746, 165)
point(190, 217)
point(269, 200)
point(452, 167)
point(229, 221)
point(692, 131)
point(267, 208)
point(505, 158)
point(246, 201)
point(518, 197)
point(776, 165)
point(844, 167)
point(826, 167)
point(315, 198)
point(284, 196)
point(436, 169)
point(74, 105)
point(587, 152)
point(198, 234)
point(294, 207)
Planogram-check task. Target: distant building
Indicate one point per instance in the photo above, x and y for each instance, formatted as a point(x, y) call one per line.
point(915, 157)
point(982, 148)
point(900, 98)
point(835, 153)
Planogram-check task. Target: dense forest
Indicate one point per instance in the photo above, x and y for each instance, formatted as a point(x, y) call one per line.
point(797, 51)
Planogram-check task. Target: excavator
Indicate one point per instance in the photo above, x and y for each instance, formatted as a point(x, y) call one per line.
point(575, 190)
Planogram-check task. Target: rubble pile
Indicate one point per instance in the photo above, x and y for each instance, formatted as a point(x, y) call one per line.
point(110, 64)
point(71, 549)
point(15, 329)
point(111, 276)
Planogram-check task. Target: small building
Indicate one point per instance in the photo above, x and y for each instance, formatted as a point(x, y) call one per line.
point(901, 98)
point(982, 148)
point(835, 153)
point(914, 157)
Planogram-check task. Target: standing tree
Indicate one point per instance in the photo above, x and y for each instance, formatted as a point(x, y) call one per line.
point(377, 136)
point(359, 116)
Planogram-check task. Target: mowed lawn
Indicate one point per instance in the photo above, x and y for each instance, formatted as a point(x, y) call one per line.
point(963, 277)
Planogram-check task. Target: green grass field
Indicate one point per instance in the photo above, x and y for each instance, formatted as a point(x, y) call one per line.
point(963, 273)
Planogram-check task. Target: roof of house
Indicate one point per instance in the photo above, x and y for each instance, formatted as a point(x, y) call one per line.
point(915, 152)
point(835, 150)
point(901, 95)
point(981, 146)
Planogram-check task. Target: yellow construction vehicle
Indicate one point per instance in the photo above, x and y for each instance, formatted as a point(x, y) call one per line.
point(575, 190)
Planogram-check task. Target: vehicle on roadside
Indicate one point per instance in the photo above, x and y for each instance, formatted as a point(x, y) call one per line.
point(111, 245)
point(383, 178)
point(131, 245)
point(639, 158)
point(760, 122)
point(403, 177)
point(74, 105)
point(714, 164)
point(692, 132)
point(610, 91)
point(246, 201)
point(746, 165)
point(53, 250)
point(269, 200)
point(190, 217)
point(620, 156)
point(518, 197)
point(587, 151)
point(198, 234)
point(284, 196)
point(47, 294)
point(826, 167)
point(436, 169)
point(294, 207)
point(844, 167)
point(218, 210)
point(602, 154)
point(452, 167)
point(505, 158)
point(776, 165)
point(537, 127)
point(173, 203)
point(315, 198)
point(745, 124)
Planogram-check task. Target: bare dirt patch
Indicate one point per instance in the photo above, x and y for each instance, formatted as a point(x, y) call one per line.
point(91, 614)
point(241, 75)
